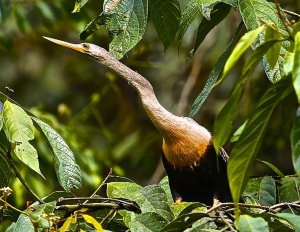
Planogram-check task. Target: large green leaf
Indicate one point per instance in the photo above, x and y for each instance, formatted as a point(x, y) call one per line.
point(28, 155)
point(247, 223)
point(251, 193)
point(148, 222)
point(219, 12)
point(274, 52)
point(245, 151)
point(166, 18)
point(67, 171)
point(295, 143)
point(258, 12)
point(18, 124)
point(241, 47)
point(23, 224)
point(292, 219)
point(289, 189)
point(224, 121)
point(296, 66)
point(267, 191)
point(126, 22)
point(214, 74)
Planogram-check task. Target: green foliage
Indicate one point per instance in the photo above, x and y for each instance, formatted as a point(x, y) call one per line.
point(249, 224)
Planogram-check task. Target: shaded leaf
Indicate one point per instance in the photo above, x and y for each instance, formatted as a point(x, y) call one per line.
point(4, 143)
point(23, 224)
point(292, 219)
point(214, 74)
point(289, 189)
point(166, 18)
point(89, 219)
point(273, 54)
point(251, 193)
point(28, 155)
point(164, 184)
point(126, 22)
point(267, 191)
point(18, 124)
point(1, 121)
point(295, 143)
point(37, 219)
point(258, 12)
point(149, 221)
point(78, 5)
point(274, 168)
point(247, 223)
point(245, 151)
point(92, 26)
point(219, 12)
point(67, 171)
point(5, 173)
point(243, 44)
point(224, 121)
point(296, 66)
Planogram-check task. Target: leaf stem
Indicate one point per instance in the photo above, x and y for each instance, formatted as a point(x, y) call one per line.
point(10, 206)
point(19, 176)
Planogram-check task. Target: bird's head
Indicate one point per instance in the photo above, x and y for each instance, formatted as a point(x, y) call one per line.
point(86, 48)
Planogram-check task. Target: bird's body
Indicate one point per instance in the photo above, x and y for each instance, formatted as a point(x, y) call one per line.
point(195, 172)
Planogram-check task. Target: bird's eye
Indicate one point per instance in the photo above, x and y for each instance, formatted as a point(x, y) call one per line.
point(85, 45)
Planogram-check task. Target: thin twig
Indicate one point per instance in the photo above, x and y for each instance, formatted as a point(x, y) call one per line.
point(12, 165)
point(221, 214)
point(10, 206)
point(291, 13)
point(100, 186)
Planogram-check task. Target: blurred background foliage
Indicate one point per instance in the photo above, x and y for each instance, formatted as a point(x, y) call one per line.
point(97, 113)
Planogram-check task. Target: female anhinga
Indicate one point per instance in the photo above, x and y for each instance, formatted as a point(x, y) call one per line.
point(195, 172)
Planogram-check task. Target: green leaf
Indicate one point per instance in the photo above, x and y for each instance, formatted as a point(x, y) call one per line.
point(224, 121)
point(126, 22)
point(183, 222)
point(92, 26)
point(5, 172)
point(164, 184)
point(147, 222)
point(258, 12)
point(166, 18)
point(267, 191)
point(288, 63)
point(1, 121)
point(67, 171)
point(23, 224)
point(192, 10)
point(247, 223)
point(251, 192)
point(296, 66)
point(18, 124)
point(4, 143)
point(274, 168)
point(289, 189)
point(238, 132)
point(219, 12)
point(214, 74)
point(295, 143)
point(28, 155)
point(292, 219)
point(245, 151)
point(273, 54)
point(241, 47)
point(78, 5)
point(89, 219)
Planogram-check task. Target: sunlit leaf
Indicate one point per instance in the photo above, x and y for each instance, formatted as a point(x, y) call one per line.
point(89, 219)
point(164, 184)
point(251, 193)
point(126, 22)
point(214, 74)
point(149, 222)
point(247, 223)
point(224, 121)
point(295, 143)
point(219, 12)
point(292, 219)
point(38, 219)
point(66, 225)
point(78, 5)
point(23, 224)
point(243, 44)
point(28, 155)
point(238, 132)
point(67, 171)
point(18, 124)
point(273, 54)
point(288, 63)
point(245, 151)
point(166, 17)
point(267, 191)
point(296, 66)
point(258, 12)
point(289, 189)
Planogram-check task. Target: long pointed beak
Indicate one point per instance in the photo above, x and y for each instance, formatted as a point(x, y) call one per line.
point(76, 47)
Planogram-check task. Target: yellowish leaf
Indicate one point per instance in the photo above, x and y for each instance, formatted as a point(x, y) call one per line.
point(93, 221)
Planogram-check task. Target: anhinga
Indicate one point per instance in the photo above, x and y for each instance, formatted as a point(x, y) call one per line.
point(195, 172)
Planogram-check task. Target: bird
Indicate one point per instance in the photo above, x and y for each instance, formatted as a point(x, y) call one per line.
point(196, 173)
